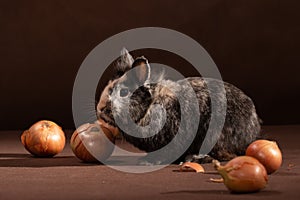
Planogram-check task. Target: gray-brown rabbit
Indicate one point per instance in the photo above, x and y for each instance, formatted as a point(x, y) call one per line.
point(132, 89)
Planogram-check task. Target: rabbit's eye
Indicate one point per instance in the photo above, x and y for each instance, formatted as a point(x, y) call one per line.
point(124, 92)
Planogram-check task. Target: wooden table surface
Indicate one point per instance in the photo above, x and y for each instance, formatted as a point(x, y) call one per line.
point(65, 177)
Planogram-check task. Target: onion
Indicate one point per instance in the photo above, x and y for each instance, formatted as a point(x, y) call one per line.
point(243, 174)
point(267, 152)
point(92, 142)
point(44, 139)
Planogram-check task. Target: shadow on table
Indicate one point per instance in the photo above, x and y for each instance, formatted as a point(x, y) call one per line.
point(26, 160)
point(223, 192)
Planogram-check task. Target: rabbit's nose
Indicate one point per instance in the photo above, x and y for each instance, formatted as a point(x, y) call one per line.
point(101, 110)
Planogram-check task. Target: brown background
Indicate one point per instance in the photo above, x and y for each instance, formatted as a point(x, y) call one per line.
point(254, 43)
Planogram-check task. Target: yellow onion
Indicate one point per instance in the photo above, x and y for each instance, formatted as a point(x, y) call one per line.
point(243, 174)
point(44, 139)
point(267, 152)
point(92, 142)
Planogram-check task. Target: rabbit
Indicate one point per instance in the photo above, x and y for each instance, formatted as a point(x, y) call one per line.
point(241, 126)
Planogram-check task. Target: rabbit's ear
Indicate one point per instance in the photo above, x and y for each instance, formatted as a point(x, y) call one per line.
point(125, 62)
point(142, 69)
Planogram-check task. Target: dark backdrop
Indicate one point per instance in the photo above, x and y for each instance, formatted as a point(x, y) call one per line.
point(254, 43)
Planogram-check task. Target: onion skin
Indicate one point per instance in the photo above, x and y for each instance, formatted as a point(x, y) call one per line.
point(92, 139)
point(44, 139)
point(79, 149)
point(191, 166)
point(243, 174)
point(267, 152)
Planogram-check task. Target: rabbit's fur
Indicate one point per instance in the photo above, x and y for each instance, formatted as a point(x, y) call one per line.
point(241, 126)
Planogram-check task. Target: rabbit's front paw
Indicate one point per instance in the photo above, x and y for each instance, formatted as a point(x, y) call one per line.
point(198, 158)
point(149, 161)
